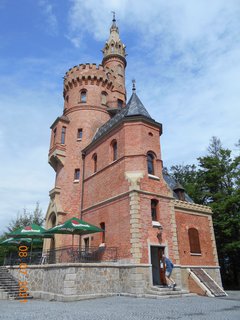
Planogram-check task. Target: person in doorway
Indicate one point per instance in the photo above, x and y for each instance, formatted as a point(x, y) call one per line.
point(168, 271)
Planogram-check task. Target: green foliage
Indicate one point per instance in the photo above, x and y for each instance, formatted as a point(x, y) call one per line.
point(27, 218)
point(188, 176)
point(216, 182)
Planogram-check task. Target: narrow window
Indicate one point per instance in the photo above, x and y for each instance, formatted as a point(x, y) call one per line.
point(83, 96)
point(54, 135)
point(104, 98)
point(154, 204)
point(63, 135)
point(77, 174)
point(86, 244)
point(114, 150)
point(79, 134)
point(67, 98)
point(150, 166)
point(102, 226)
point(95, 162)
point(120, 103)
point(194, 242)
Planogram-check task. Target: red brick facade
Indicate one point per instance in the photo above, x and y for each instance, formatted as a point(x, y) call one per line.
point(118, 192)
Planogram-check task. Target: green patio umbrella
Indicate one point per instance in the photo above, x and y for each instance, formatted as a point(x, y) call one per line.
point(18, 241)
point(33, 231)
point(74, 226)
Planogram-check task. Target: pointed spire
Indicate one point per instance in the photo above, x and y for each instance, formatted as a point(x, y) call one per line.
point(135, 106)
point(114, 45)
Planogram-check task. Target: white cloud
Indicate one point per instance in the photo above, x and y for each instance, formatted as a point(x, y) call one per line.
point(51, 19)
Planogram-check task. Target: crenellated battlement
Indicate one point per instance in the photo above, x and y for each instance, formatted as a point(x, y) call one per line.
point(85, 74)
point(84, 67)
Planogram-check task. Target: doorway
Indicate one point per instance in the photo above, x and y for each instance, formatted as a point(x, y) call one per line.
point(158, 269)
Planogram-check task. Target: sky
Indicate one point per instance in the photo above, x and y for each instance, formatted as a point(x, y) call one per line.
point(184, 56)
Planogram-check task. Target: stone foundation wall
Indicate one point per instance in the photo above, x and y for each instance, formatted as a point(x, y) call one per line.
point(69, 282)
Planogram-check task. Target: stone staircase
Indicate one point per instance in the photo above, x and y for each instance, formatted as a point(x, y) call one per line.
point(9, 287)
point(161, 292)
point(165, 292)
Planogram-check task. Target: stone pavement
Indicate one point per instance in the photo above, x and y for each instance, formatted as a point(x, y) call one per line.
point(124, 308)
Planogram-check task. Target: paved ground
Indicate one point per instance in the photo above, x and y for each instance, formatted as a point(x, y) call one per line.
point(123, 308)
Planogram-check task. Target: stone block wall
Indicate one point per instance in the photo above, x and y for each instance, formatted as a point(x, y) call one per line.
point(69, 282)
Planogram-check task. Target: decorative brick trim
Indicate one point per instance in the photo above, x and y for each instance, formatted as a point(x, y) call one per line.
point(174, 234)
point(192, 207)
point(134, 178)
point(213, 240)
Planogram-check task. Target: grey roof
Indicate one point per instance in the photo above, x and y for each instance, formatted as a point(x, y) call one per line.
point(172, 184)
point(134, 107)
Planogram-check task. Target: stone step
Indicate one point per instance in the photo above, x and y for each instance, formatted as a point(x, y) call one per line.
point(9, 289)
point(157, 296)
point(10, 286)
point(167, 293)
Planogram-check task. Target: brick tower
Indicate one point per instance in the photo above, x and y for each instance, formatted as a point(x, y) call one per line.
point(92, 94)
point(107, 157)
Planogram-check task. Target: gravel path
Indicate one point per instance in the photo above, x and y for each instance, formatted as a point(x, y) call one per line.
point(116, 308)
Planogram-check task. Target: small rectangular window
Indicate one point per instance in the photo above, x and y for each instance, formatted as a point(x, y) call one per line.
point(102, 226)
point(77, 174)
point(63, 135)
point(79, 134)
point(154, 208)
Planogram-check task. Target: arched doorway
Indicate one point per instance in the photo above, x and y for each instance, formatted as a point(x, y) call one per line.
point(51, 223)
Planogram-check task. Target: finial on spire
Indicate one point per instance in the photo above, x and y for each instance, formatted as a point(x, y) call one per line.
point(114, 17)
point(133, 85)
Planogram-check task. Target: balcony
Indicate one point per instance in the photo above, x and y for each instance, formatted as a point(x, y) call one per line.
point(57, 156)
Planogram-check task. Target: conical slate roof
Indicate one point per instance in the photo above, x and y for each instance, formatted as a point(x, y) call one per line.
point(134, 107)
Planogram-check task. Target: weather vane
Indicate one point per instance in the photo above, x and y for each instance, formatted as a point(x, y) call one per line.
point(114, 13)
point(133, 85)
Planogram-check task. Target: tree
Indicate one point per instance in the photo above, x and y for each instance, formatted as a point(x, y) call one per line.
point(219, 177)
point(27, 218)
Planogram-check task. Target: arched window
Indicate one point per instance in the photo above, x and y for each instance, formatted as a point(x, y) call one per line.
point(95, 162)
point(120, 69)
point(102, 226)
point(83, 96)
point(154, 206)
point(150, 165)
point(104, 98)
point(120, 103)
point(114, 150)
point(194, 242)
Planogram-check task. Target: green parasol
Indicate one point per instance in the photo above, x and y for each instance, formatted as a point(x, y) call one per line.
point(18, 241)
point(74, 226)
point(32, 231)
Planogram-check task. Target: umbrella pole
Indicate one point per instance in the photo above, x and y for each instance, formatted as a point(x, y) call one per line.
point(31, 251)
